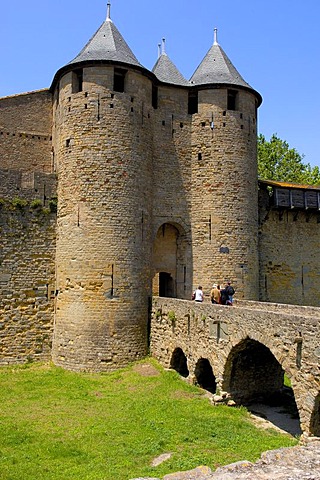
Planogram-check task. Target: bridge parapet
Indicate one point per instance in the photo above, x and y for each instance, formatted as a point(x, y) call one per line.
point(219, 333)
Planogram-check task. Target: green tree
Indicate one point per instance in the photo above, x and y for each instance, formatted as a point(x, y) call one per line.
point(277, 161)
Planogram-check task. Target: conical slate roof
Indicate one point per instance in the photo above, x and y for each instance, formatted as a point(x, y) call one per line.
point(217, 68)
point(107, 44)
point(167, 72)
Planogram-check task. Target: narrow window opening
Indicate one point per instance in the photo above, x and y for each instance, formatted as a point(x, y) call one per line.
point(142, 225)
point(163, 123)
point(111, 105)
point(241, 127)
point(118, 79)
point(154, 96)
point(85, 106)
point(299, 353)
point(77, 81)
point(86, 94)
point(112, 280)
point(193, 103)
point(223, 124)
point(232, 100)
point(181, 125)
point(199, 156)
point(203, 124)
point(131, 109)
point(224, 113)
point(68, 142)
point(241, 115)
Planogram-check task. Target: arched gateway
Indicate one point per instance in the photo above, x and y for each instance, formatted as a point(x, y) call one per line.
point(171, 276)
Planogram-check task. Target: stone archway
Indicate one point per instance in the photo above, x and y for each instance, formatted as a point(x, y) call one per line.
point(252, 373)
point(204, 375)
point(254, 378)
point(171, 275)
point(178, 362)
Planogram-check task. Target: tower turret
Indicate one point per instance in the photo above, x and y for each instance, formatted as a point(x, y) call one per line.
point(165, 70)
point(101, 128)
point(224, 178)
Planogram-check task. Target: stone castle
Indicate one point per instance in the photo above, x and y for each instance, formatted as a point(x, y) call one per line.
point(156, 187)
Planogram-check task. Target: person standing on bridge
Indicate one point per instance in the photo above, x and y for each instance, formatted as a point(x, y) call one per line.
point(198, 294)
point(230, 292)
point(215, 295)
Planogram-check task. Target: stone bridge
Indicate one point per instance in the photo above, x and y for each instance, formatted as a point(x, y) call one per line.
point(244, 350)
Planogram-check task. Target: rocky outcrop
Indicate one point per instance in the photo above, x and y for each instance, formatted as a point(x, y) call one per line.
point(295, 463)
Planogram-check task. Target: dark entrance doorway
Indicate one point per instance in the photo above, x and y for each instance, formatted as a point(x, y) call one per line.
point(166, 285)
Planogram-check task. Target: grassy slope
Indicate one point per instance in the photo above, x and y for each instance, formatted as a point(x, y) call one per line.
point(56, 424)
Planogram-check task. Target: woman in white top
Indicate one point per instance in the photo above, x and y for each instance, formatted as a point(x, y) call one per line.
point(198, 294)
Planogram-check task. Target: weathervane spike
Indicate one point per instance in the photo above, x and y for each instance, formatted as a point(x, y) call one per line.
point(164, 45)
point(215, 36)
point(108, 10)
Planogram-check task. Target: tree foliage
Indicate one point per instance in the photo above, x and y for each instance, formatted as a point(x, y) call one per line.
point(277, 161)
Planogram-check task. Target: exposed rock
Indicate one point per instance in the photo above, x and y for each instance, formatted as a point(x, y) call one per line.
point(199, 473)
point(162, 458)
point(294, 463)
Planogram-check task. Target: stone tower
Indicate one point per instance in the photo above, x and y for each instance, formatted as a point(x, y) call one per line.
point(104, 170)
point(157, 191)
point(224, 171)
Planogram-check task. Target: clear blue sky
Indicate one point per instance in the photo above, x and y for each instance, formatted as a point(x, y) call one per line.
point(274, 45)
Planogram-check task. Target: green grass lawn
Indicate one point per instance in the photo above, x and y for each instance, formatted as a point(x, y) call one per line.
point(61, 425)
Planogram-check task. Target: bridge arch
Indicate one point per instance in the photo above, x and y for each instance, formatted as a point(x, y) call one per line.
point(252, 372)
point(178, 362)
point(204, 375)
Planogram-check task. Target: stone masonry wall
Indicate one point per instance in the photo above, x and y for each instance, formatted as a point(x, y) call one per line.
point(205, 184)
point(213, 332)
point(17, 184)
point(27, 283)
point(172, 182)
point(289, 246)
point(26, 132)
point(224, 192)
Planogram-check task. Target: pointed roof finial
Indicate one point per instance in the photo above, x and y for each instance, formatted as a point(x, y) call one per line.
point(215, 36)
point(159, 50)
point(164, 46)
point(108, 10)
